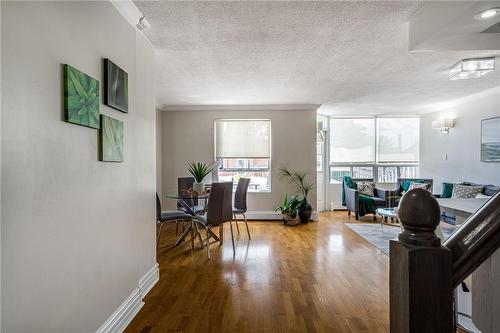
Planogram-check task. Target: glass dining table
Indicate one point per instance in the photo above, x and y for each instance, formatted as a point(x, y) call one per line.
point(190, 202)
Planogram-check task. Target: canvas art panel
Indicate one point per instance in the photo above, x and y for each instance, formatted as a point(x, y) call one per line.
point(116, 86)
point(111, 139)
point(81, 98)
point(490, 140)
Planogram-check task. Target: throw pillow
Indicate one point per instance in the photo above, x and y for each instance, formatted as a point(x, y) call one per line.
point(447, 190)
point(466, 191)
point(482, 196)
point(405, 184)
point(366, 188)
point(424, 186)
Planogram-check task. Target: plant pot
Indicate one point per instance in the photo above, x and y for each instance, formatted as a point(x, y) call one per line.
point(305, 212)
point(289, 220)
point(198, 187)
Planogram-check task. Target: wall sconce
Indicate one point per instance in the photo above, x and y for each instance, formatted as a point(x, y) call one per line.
point(443, 125)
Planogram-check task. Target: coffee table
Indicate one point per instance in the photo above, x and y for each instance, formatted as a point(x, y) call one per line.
point(388, 213)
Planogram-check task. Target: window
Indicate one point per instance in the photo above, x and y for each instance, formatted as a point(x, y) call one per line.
point(383, 149)
point(352, 140)
point(398, 140)
point(244, 148)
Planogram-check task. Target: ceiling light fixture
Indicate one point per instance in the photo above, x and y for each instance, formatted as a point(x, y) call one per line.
point(472, 68)
point(487, 14)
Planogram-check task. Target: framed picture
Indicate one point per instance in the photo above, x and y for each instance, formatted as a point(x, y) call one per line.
point(111, 139)
point(115, 86)
point(81, 98)
point(490, 140)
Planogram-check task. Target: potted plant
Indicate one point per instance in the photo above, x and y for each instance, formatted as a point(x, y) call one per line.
point(289, 209)
point(199, 171)
point(298, 178)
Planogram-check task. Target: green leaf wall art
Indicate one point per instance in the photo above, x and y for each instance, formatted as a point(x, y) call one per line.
point(116, 86)
point(111, 139)
point(81, 98)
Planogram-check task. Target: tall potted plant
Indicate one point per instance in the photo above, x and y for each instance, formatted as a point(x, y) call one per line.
point(199, 171)
point(298, 178)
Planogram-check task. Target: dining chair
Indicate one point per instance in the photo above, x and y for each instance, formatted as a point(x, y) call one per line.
point(163, 217)
point(240, 202)
point(219, 210)
point(183, 184)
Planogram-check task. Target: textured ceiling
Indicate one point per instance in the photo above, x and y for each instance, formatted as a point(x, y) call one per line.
point(351, 57)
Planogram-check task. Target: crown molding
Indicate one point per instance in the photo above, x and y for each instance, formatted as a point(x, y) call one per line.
point(246, 107)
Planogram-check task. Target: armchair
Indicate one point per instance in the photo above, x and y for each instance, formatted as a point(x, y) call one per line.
point(356, 203)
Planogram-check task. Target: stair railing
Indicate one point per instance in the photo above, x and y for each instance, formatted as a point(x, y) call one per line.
point(424, 272)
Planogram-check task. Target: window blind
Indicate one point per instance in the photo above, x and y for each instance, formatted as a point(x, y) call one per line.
point(352, 140)
point(243, 138)
point(398, 140)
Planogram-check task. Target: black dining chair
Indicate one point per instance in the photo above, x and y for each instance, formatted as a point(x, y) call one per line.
point(219, 210)
point(184, 184)
point(163, 217)
point(240, 202)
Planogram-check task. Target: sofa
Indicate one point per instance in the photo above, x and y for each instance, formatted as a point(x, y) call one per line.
point(488, 190)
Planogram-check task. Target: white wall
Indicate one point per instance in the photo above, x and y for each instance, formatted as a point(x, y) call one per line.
point(461, 145)
point(189, 136)
point(159, 147)
point(77, 234)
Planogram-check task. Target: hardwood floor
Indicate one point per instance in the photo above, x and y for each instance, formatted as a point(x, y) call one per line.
point(319, 277)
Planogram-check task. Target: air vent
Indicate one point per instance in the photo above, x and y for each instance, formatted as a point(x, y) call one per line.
point(495, 28)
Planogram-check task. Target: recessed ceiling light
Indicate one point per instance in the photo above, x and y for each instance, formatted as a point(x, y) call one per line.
point(487, 14)
point(472, 68)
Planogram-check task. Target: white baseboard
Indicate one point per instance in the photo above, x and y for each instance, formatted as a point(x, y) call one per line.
point(120, 319)
point(269, 215)
point(149, 280)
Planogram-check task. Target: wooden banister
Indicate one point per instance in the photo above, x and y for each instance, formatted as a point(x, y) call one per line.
point(424, 273)
point(421, 291)
point(476, 240)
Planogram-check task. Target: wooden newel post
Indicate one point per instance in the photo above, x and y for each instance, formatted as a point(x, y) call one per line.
point(421, 293)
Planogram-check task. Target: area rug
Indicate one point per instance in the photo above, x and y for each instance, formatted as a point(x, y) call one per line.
point(380, 235)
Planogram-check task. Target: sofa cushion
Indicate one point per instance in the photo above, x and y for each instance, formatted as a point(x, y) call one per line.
point(378, 202)
point(466, 191)
point(366, 188)
point(424, 186)
point(405, 184)
point(491, 190)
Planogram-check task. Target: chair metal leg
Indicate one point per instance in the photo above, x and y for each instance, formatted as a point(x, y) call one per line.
point(221, 233)
point(176, 227)
point(199, 234)
point(246, 224)
point(232, 236)
point(159, 235)
point(192, 235)
point(236, 222)
point(208, 243)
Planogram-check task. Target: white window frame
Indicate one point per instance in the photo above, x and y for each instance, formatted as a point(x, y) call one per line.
point(375, 164)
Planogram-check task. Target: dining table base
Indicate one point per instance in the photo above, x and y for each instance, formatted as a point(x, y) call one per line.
point(195, 232)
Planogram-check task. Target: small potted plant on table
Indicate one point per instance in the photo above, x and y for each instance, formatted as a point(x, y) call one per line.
point(199, 171)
